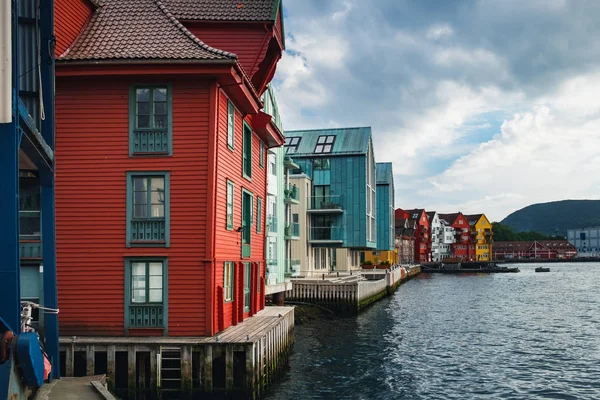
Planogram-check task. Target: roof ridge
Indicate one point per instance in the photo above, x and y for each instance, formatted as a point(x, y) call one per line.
point(330, 129)
point(190, 35)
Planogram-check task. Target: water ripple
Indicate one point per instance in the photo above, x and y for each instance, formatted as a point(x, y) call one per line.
point(521, 336)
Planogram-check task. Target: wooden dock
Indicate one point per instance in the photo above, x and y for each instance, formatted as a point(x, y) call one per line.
point(350, 294)
point(242, 359)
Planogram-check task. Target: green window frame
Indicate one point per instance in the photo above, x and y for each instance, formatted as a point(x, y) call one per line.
point(230, 202)
point(258, 214)
point(148, 215)
point(146, 293)
point(247, 158)
point(228, 281)
point(247, 215)
point(247, 292)
point(150, 120)
point(262, 154)
point(230, 125)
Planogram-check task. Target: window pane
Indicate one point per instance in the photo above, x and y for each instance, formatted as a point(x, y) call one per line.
point(155, 295)
point(327, 148)
point(140, 197)
point(140, 211)
point(330, 139)
point(158, 197)
point(160, 121)
point(319, 149)
point(321, 140)
point(138, 282)
point(155, 282)
point(158, 211)
point(138, 296)
point(138, 268)
point(143, 108)
point(139, 183)
point(143, 121)
point(160, 94)
point(157, 183)
point(156, 268)
point(143, 95)
point(160, 109)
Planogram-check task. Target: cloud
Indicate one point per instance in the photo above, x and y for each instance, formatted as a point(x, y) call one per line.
point(482, 105)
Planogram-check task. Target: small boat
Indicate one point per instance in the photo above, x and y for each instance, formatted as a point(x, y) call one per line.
point(542, 269)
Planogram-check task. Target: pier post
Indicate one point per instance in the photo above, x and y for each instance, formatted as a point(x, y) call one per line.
point(207, 371)
point(110, 366)
point(153, 370)
point(89, 362)
point(250, 370)
point(131, 369)
point(186, 369)
point(229, 368)
point(69, 360)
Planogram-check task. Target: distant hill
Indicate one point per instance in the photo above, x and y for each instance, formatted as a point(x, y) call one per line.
point(555, 217)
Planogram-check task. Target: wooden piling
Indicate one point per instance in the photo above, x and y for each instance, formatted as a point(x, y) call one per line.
point(90, 356)
point(110, 366)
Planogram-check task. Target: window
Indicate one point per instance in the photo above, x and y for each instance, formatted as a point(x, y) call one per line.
point(146, 293)
point(230, 198)
point(291, 144)
point(321, 164)
point(228, 282)
point(325, 144)
point(247, 151)
point(29, 205)
point(272, 160)
point(258, 215)
point(247, 294)
point(150, 120)
point(148, 208)
point(262, 154)
point(230, 124)
point(246, 222)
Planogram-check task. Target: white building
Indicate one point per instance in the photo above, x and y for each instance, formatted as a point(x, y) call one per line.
point(436, 235)
point(586, 241)
point(446, 239)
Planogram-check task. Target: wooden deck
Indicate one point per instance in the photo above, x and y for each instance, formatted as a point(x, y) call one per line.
point(262, 341)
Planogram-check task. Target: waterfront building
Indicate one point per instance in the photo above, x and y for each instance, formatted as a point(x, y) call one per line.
point(446, 239)
point(338, 166)
point(422, 245)
point(280, 228)
point(461, 242)
point(539, 249)
point(436, 236)
point(301, 261)
point(386, 238)
point(405, 240)
point(586, 241)
point(481, 237)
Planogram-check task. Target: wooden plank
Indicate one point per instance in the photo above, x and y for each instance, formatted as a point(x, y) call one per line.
point(90, 356)
point(153, 369)
point(131, 368)
point(69, 360)
point(186, 368)
point(207, 369)
point(110, 366)
point(229, 368)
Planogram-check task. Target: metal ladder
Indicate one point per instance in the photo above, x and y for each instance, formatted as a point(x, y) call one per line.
point(170, 368)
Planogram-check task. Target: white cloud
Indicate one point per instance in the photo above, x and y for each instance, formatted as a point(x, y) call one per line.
point(437, 32)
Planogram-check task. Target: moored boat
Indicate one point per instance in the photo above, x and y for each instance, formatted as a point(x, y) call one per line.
point(542, 269)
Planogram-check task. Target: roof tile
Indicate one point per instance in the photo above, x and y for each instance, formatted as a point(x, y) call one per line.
point(223, 10)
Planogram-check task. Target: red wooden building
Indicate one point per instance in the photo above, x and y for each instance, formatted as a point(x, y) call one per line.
point(462, 249)
point(160, 171)
point(540, 249)
point(422, 240)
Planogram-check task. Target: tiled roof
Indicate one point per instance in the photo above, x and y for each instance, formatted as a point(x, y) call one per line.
point(430, 215)
point(473, 218)
point(224, 10)
point(139, 29)
point(383, 172)
point(347, 141)
point(449, 218)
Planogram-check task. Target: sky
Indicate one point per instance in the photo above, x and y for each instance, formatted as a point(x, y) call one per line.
point(481, 105)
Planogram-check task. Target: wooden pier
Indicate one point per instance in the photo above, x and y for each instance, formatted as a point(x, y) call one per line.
point(242, 359)
point(350, 294)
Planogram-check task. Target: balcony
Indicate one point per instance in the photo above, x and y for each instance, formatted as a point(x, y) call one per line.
point(150, 142)
point(292, 231)
point(292, 195)
point(146, 316)
point(326, 204)
point(326, 235)
point(147, 230)
point(271, 224)
point(292, 266)
point(271, 261)
point(289, 163)
point(30, 249)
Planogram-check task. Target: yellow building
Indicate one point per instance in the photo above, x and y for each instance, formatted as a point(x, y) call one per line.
point(378, 257)
point(481, 232)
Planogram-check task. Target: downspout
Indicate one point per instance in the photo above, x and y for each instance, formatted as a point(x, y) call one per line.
point(212, 189)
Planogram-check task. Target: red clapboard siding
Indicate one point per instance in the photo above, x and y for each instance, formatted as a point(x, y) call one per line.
point(248, 41)
point(70, 17)
point(229, 167)
point(92, 158)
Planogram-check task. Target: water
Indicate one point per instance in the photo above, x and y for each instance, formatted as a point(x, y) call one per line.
point(505, 336)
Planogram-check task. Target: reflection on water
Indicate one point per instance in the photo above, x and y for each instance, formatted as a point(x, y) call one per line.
point(511, 336)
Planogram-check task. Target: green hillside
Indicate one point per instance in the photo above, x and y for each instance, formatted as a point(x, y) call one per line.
point(555, 217)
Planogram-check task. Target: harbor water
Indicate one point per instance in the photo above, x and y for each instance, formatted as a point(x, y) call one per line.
point(504, 336)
